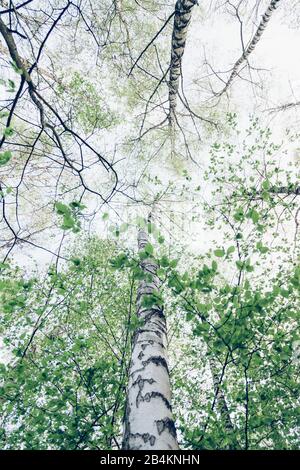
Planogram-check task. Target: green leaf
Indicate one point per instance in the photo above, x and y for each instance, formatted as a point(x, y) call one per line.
point(219, 253)
point(239, 215)
point(261, 248)
point(173, 263)
point(285, 293)
point(240, 265)
point(248, 267)
point(5, 157)
point(214, 265)
point(164, 261)
point(120, 261)
point(230, 250)
point(12, 86)
point(148, 249)
point(266, 184)
point(61, 208)
point(16, 68)
point(76, 261)
point(8, 132)
point(254, 215)
point(68, 223)
point(77, 205)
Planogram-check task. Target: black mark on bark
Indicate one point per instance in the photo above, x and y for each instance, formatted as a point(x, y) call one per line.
point(166, 424)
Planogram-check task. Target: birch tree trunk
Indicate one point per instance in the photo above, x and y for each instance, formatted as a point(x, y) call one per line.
point(149, 423)
point(221, 404)
point(182, 17)
point(262, 25)
point(220, 398)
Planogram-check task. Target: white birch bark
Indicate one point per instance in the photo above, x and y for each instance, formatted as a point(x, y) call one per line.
point(149, 423)
point(182, 17)
point(220, 397)
point(262, 25)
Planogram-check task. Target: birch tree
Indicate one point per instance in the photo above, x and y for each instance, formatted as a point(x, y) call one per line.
point(252, 44)
point(182, 18)
point(149, 392)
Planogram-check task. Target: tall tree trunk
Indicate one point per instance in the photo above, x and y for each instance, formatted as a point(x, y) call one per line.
point(221, 405)
point(149, 422)
point(182, 17)
point(262, 25)
point(220, 397)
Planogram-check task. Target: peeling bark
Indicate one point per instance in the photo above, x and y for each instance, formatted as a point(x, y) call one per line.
point(182, 17)
point(262, 25)
point(148, 422)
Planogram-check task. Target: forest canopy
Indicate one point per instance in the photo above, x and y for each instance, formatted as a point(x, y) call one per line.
point(149, 191)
